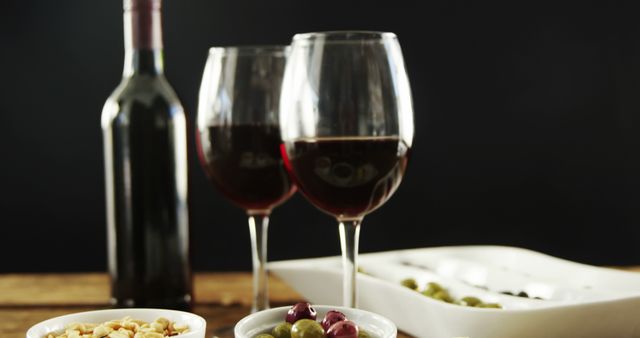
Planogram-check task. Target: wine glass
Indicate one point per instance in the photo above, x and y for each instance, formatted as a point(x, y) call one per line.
point(346, 120)
point(238, 140)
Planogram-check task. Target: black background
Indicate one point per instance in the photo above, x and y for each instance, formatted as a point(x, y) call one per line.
point(526, 127)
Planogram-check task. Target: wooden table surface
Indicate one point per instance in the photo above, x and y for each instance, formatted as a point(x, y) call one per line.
point(222, 298)
point(26, 299)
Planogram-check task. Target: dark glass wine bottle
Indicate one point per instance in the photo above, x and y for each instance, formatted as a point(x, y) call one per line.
point(145, 151)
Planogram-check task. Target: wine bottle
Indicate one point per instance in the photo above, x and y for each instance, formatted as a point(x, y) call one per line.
point(145, 152)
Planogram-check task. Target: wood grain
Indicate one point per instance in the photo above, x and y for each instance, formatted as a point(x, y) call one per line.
point(230, 288)
point(221, 298)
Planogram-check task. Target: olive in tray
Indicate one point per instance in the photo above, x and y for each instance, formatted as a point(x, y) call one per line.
point(300, 322)
point(436, 291)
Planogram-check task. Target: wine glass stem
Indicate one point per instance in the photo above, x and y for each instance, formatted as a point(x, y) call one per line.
point(258, 225)
point(349, 236)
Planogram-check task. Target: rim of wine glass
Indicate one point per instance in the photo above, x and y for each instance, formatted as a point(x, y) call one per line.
point(345, 36)
point(275, 50)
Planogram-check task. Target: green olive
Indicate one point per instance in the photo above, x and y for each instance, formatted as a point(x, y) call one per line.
point(490, 306)
point(363, 334)
point(443, 295)
point(470, 301)
point(410, 283)
point(307, 328)
point(431, 289)
point(264, 335)
point(282, 330)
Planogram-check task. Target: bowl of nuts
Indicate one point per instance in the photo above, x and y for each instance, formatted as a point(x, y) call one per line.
point(122, 323)
point(303, 320)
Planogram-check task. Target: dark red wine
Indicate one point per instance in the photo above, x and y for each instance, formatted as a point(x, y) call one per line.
point(145, 147)
point(347, 177)
point(245, 164)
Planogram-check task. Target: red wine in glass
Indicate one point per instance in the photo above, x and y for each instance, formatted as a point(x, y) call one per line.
point(347, 177)
point(245, 165)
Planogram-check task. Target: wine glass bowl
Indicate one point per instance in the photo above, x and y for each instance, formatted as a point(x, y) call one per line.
point(238, 135)
point(346, 119)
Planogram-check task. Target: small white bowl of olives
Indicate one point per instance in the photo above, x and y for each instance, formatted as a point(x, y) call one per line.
point(303, 320)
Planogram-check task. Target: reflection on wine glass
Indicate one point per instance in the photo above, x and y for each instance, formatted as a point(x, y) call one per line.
point(346, 119)
point(238, 140)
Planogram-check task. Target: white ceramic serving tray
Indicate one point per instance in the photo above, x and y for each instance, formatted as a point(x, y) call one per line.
point(577, 300)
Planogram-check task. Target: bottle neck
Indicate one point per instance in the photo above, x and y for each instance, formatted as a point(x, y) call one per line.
point(142, 38)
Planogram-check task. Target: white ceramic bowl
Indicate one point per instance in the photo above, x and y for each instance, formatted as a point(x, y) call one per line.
point(263, 321)
point(197, 325)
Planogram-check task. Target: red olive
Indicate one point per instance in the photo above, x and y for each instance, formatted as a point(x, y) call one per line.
point(300, 311)
point(343, 329)
point(331, 318)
